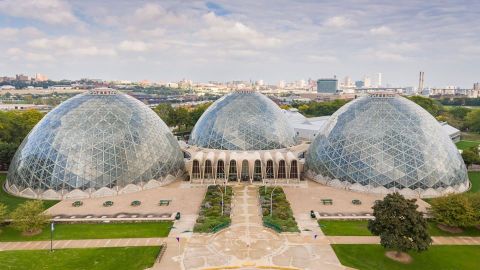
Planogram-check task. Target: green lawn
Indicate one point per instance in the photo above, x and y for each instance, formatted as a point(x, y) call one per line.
point(466, 144)
point(475, 180)
point(359, 227)
point(92, 231)
point(371, 257)
point(470, 136)
point(130, 258)
point(13, 201)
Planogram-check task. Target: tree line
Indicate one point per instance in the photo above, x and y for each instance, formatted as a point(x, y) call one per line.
point(14, 127)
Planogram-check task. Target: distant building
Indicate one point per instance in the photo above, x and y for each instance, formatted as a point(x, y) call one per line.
point(367, 82)
point(21, 77)
point(476, 86)
point(40, 77)
point(359, 84)
point(378, 80)
point(329, 86)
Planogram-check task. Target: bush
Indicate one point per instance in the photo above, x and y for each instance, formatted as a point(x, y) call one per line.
point(29, 218)
point(108, 204)
point(455, 210)
point(77, 203)
point(210, 217)
point(136, 203)
point(282, 219)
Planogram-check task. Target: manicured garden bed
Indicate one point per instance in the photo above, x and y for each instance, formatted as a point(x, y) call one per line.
point(210, 218)
point(13, 201)
point(282, 219)
point(92, 231)
point(372, 257)
point(359, 228)
point(131, 258)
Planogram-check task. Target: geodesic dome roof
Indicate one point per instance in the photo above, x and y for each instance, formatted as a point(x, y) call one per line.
point(385, 140)
point(243, 121)
point(97, 139)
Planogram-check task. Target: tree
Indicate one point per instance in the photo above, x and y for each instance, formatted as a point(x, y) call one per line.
point(470, 156)
point(166, 113)
point(459, 112)
point(3, 213)
point(430, 105)
point(472, 120)
point(400, 226)
point(29, 217)
point(454, 210)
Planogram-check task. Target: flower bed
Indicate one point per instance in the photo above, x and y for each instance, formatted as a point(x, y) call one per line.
point(210, 218)
point(282, 219)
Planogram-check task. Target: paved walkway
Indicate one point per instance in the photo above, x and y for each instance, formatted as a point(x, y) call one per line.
point(437, 240)
point(173, 244)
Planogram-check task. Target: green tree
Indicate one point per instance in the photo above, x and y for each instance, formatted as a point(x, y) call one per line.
point(166, 113)
point(400, 226)
point(454, 210)
point(470, 156)
point(29, 217)
point(430, 105)
point(197, 112)
point(472, 121)
point(3, 212)
point(459, 112)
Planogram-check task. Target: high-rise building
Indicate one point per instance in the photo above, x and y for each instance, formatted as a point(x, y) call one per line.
point(40, 77)
point(260, 83)
point(281, 84)
point(378, 79)
point(359, 84)
point(476, 86)
point(367, 82)
point(347, 82)
point(329, 86)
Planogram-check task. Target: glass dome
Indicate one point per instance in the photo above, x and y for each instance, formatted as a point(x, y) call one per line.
point(97, 139)
point(386, 141)
point(243, 121)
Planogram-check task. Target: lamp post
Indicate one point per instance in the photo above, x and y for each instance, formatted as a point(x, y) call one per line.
point(219, 188)
point(271, 201)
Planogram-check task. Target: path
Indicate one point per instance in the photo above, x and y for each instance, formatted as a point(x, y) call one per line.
point(172, 242)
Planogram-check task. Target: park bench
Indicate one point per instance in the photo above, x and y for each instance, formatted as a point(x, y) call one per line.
point(164, 202)
point(327, 201)
point(356, 202)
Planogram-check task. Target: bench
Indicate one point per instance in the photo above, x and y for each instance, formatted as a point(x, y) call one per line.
point(356, 202)
point(164, 202)
point(327, 201)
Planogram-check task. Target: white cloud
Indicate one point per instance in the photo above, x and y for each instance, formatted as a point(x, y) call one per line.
point(321, 58)
point(338, 22)
point(133, 46)
point(49, 11)
point(390, 56)
point(381, 31)
point(155, 13)
point(63, 42)
point(234, 32)
point(9, 33)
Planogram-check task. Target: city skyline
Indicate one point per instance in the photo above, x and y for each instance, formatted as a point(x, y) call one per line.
point(227, 41)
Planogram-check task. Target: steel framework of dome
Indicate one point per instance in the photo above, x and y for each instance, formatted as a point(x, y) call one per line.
point(383, 143)
point(243, 121)
point(95, 144)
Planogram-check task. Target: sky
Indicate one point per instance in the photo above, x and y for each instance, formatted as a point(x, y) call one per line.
point(243, 40)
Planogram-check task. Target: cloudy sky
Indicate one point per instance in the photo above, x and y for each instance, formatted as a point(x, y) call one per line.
point(243, 40)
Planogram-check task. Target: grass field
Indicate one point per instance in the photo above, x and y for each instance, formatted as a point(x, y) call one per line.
point(470, 136)
point(359, 228)
point(131, 258)
point(475, 180)
point(12, 201)
point(371, 257)
point(466, 144)
point(92, 231)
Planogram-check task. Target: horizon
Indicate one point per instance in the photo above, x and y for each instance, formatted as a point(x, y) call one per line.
point(225, 41)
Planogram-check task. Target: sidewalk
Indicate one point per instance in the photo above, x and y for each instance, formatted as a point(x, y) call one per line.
point(87, 243)
point(437, 240)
